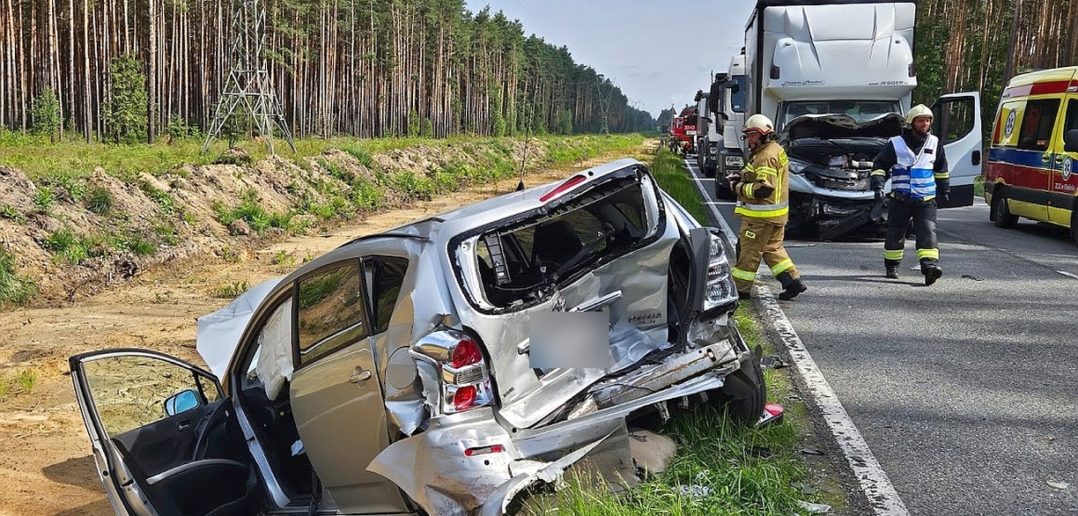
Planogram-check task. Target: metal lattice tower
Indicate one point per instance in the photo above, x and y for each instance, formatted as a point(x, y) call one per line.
point(248, 86)
point(604, 102)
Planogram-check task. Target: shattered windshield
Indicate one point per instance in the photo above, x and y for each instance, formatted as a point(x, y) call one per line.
point(859, 110)
point(518, 264)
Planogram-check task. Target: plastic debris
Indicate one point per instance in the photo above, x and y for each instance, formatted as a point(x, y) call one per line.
point(811, 451)
point(694, 491)
point(815, 508)
point(1058, 485)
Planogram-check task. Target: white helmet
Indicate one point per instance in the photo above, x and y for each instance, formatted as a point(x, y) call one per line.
point(758, 123)
point(918, 111)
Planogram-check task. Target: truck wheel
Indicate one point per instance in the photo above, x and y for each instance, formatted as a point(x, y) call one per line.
point(1000, 213)
point(744, 394)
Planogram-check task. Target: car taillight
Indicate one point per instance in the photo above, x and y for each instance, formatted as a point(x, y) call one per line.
point(466, 353)
point(464, 375)
point(464, 398)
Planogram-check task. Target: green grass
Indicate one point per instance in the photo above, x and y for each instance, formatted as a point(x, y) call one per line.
point(15, 289)
point(11, 213)
point(44, 199)
point(231, 290)
point(670, 172)
point(64, 244)
point(26, 379)
point(252, 212)
point(98, 200)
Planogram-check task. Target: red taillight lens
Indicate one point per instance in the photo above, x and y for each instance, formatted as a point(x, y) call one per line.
point(472, 452)
point(466, 353)
point(464, 398)
point(562, 188)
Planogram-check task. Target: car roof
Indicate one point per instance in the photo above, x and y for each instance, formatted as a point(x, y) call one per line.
point(1065, 77)
point(493, 209)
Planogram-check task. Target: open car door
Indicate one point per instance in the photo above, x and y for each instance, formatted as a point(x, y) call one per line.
point(163, 436)
point(957, 123)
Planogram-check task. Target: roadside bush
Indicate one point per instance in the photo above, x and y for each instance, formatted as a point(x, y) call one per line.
point(44, 199)
point(361, 155)
point(14, 288)
point(366, 195)
point(161, 197)
point(98, 200)
point(66, 245)
point(251, 212)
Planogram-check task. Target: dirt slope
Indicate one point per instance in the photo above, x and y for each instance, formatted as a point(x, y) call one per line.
point(45, 465)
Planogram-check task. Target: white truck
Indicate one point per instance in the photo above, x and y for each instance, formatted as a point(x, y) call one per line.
point(727, 103)
point(836, 77)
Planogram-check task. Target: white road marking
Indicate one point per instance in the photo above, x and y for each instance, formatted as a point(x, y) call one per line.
point(873, 479)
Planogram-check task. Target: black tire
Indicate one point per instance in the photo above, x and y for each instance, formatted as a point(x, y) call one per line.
point(745, 393)
point(1000, 213)
point(1074, 226)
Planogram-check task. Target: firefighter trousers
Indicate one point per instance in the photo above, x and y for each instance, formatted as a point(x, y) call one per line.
point(760, 239)
point(923, 213)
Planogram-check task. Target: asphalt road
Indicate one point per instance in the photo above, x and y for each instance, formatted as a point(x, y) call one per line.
point(966, 391)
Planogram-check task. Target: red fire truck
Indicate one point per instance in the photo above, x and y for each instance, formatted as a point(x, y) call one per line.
point(683, 131)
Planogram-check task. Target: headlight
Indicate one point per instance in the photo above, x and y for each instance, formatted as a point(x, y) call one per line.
point(734, 161)
point(720, 288)
point(797, 167)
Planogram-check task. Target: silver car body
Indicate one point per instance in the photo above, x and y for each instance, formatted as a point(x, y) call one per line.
point(378, 416)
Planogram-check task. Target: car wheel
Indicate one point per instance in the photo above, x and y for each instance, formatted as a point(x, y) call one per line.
point(1000, 213)
point(745, 393)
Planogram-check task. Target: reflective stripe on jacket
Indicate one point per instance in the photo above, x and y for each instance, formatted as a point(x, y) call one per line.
point(764, 190)
point(912, 173)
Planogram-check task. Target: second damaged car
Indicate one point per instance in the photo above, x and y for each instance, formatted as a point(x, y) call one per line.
point(397, 373)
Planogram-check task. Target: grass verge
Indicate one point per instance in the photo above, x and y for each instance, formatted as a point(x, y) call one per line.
point(719, 468)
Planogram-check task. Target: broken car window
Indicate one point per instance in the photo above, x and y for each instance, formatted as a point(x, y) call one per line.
point(385, 276)
point(516, 263)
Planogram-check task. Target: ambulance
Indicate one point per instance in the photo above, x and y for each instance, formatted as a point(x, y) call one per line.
point(1033, 158)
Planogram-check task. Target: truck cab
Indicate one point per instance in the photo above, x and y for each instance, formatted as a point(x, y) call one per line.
point(727, 101)
point(836, 78)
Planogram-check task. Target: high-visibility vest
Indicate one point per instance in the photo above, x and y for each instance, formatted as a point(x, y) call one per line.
point(912, 173)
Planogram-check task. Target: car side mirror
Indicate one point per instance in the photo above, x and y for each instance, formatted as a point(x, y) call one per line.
point(734, 88)
point(182, 402)
point(1070, 141)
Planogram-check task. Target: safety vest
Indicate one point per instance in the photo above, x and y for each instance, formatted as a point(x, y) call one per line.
point(912, 173)
point(768, 168)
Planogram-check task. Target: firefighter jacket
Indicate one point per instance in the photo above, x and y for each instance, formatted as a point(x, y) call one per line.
point(916, 165)
point(764, 190)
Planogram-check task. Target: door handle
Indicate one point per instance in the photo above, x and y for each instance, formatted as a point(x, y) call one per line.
point(1059, 159)
point(359, 375)
point(184, 425)
point(1045, 158)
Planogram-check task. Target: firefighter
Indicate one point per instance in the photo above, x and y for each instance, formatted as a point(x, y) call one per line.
point(763, 193)
point(917, 167)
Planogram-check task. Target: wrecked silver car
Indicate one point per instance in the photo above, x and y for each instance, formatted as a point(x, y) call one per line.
point(414, 371)
point(830, 163)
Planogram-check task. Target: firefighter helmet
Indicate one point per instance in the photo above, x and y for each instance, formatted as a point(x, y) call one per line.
point(758, 123)
point(918, 111)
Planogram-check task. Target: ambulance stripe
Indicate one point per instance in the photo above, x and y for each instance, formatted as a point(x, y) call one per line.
point(1040, 88)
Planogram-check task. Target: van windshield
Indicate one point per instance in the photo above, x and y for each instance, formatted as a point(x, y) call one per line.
point(517, 263)
point(860, 110)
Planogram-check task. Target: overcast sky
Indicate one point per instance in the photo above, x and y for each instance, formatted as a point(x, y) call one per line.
point(652, 49)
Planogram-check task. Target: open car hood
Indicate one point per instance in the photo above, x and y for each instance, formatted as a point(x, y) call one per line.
point(842, 126)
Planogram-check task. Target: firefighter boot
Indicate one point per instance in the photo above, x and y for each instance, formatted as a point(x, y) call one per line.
point(791, 286)
point(931, 270)
point(892, 269)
